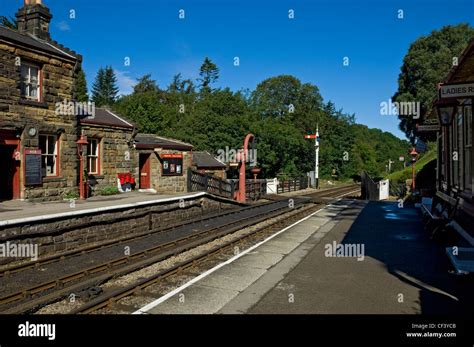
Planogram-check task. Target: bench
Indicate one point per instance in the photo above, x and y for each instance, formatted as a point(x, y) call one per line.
point(438, 212)
point(462, 258)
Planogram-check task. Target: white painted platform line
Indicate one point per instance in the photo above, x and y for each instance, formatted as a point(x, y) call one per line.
point(165, 297)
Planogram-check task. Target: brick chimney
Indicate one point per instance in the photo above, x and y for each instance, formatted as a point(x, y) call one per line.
point(34, 18)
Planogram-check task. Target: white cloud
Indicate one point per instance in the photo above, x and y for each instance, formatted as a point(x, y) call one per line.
point(63, 26)
point(124, 82)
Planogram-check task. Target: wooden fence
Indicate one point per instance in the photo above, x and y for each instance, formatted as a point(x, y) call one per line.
point(292, 185)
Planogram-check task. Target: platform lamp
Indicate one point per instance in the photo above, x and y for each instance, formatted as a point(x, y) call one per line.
point(80, 153)
point(446, 110)
point(414, 157)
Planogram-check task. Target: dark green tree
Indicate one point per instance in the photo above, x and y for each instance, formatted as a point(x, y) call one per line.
point(209, 73)
point(81, 87)
point(180, 85)
point(425, 65)
point(10, 22)
point(105, 90)
point(145, 84)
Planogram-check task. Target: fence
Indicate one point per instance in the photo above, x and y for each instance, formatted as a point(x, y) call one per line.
point(292, 185)
point(399, 190)
point(369, 188)
point(254, 190)
point(198, 182)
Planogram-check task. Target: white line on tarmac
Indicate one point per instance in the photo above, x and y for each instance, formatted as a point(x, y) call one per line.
point(178, 290)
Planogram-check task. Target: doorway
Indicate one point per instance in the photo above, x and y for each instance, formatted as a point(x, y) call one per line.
point(9, 184)
point(145, 171)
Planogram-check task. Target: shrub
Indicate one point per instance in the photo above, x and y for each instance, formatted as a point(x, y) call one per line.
point(72, 195)
point(111, 190)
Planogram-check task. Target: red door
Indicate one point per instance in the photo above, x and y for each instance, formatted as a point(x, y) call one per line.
point(145, 171)
point(10, 170)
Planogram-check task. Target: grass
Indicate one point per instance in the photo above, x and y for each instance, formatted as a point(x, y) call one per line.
point(402, 175)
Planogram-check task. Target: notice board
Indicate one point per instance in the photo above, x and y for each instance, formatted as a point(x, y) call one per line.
point(172, 164)
point(33, 172)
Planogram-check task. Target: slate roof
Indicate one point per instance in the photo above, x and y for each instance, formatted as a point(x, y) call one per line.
point(206, 160)
point(106, 117)
point(30, 41)
point(151, 141)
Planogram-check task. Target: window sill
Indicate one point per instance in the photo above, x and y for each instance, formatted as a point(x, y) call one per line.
point(34, 103)
point(95, 176)
point(53, 179)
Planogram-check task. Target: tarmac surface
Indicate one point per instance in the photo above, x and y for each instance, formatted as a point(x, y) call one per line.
point(398, 270)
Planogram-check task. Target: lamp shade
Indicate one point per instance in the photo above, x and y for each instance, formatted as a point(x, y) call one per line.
point(446, 109)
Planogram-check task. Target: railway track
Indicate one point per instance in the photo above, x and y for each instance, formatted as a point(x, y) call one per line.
point(113, 297)
point(186, 236)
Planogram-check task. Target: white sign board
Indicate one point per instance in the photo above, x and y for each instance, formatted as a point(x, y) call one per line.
point(456, 90)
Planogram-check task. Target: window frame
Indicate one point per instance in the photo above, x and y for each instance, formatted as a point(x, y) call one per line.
point(54, 154)
point(468, 147)
point(95, 156)
point(39, 86)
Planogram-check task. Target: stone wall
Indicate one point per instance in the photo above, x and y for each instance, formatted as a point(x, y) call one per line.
point(72, 232)
point(114, 146)
point(18, 115)
point(169, 184)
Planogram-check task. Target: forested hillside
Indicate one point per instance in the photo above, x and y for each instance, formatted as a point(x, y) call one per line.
point(279, 112)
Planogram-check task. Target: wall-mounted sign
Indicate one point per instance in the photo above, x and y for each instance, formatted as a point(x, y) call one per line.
point(428, 128)
point(172, 164)
point(33, 172)
point(456, 90)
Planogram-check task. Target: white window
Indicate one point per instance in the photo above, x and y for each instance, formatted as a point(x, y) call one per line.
point(30, 82)
point(93, 157)
point(49, 152)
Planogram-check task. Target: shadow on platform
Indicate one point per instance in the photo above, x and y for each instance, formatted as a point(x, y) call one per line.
point(395, 237)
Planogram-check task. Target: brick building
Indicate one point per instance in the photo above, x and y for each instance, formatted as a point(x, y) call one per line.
point(36, 73)
point(163, 163)
point(205, 163)
point(40, 122)
point(110, 149)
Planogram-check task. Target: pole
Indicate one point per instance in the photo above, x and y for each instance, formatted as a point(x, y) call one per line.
point(81, 177)
point(316, 166)
point(413, 176)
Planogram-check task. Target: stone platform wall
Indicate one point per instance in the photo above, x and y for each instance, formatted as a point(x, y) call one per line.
point(73, 232)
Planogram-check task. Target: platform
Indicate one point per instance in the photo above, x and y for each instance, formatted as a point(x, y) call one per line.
point(401, 271)
point(15, 211)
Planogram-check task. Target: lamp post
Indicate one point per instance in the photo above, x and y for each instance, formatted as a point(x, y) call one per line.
point(414, 156)
point(80, 150)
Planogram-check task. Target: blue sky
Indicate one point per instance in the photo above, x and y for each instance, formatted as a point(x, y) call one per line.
point(311, 46)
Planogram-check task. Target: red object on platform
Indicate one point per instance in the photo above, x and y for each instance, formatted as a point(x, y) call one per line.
point(126, 178)
point(310, 136)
